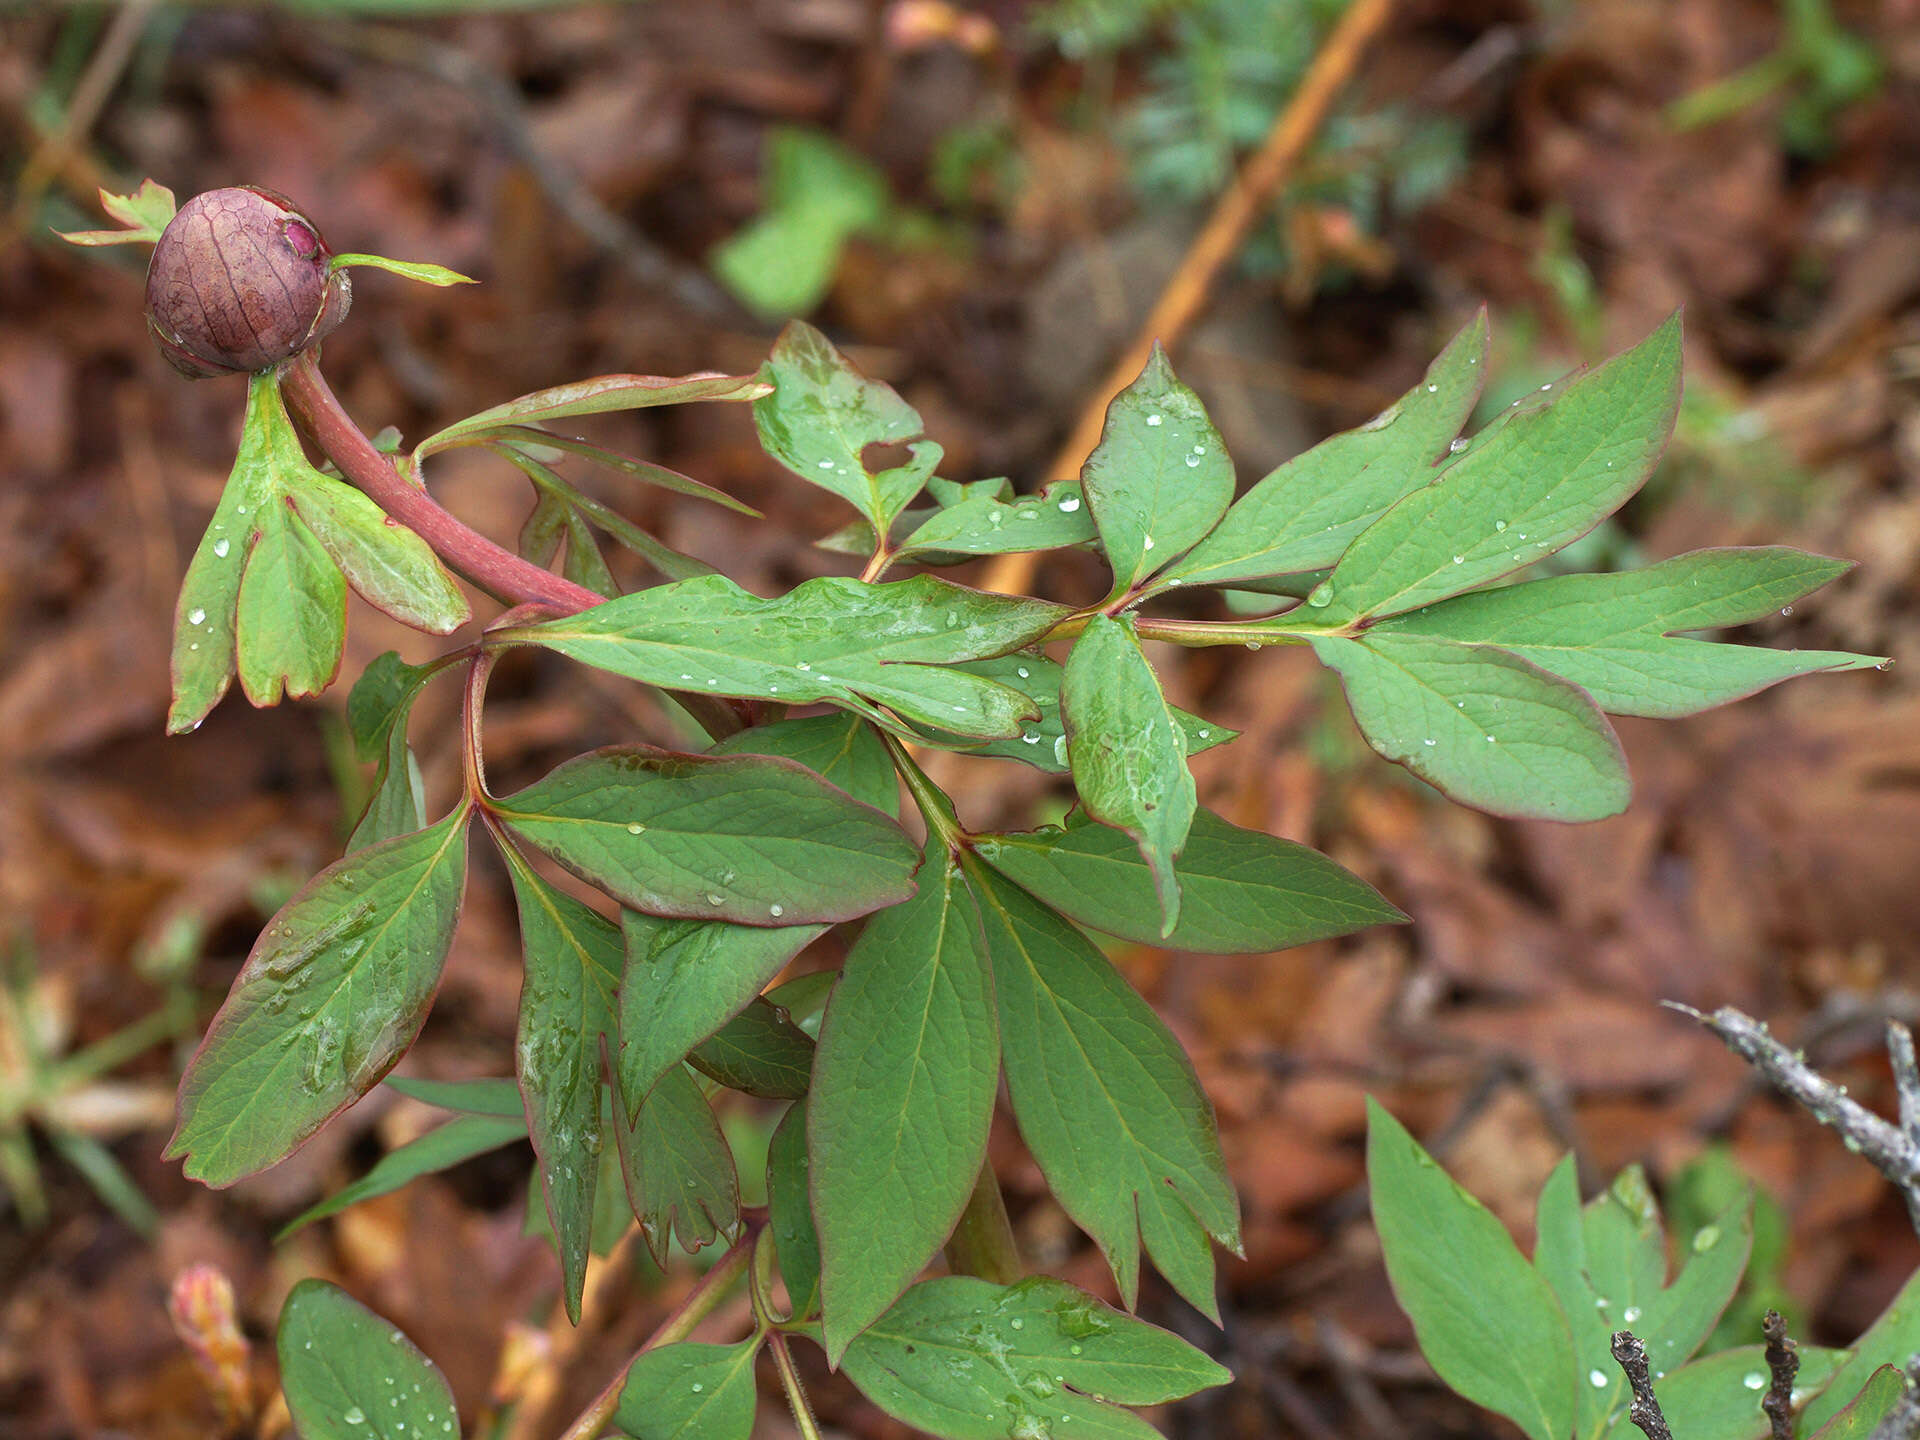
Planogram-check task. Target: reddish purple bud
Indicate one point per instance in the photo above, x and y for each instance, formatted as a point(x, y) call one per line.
point(239, 282)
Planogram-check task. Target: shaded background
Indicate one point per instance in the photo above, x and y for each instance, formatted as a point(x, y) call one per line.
point(980, 203)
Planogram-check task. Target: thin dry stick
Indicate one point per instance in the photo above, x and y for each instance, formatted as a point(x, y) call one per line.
point(1186, 293)
point(1783, 1364)
point(1894, 1150)
point(1645, 1410)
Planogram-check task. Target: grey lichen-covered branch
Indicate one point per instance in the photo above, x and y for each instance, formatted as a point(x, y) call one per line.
point(1645, 1411)
point(1893, 1148)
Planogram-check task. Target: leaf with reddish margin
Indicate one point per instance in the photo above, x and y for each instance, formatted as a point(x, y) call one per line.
point(678, 1167)
point(598, 396)
point(333, 995)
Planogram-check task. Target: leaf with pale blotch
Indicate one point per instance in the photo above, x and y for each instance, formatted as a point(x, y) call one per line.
point(1128, 756)
point(1615, 635)
point(683, 980)
point(678, 1169)
point(1486, 1320)
point(349, 1375)
point(902, 1095)
point(1241, 891)
point(841, 749)
point(969, 1360)
point(1488, 728)
point(836, 640)
point(333, 995)
point(1042, 743)
point(746, 838)
point(566, 1005)
point(690, 1391)
point(598, 396)
point(1159, 479)
point(821, 416)
point(1538, 483)
point(1305, 514)
point(1106, 1099)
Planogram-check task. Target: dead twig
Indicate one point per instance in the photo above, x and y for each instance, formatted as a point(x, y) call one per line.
point(1186, 292)
point(1783, 1364)
point(1894, 1150)
point(1645, 1410)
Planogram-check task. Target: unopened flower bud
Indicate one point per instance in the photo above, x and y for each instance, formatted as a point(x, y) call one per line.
point(239, 282)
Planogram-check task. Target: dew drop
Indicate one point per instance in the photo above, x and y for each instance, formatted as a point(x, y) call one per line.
point(1193, 462)
point(1597, 1379)
point(354, 1415)
point(1459, 559)
point(1786, 609)
point(1203, 732)
point(193, 645)
point(1547, 386)
point(803, 666)
point(1500, 525)
point(1019, 1324)
point(1156, 421)
point(1070, 504)
point(1253, 644)
point(1073, 1349)
point(1433, 389)
point(776, 911)
point(826, 464)
point(1629, 1315)
point(1707, 1237)
point(716, 899)
point(1023, 672)
point(1754, 1380)
point(1030, 738)
point(1321, 595)
point(636, 828)
point(1454, 447)
point(220, 548)
point(1147, 543)
point(698, 1387)
point(1199, 449)
point(1429, 742)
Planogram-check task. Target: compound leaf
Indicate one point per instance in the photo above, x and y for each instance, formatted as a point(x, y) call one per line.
point(291, 623)
point(391, 567)
point(1303, 516)
point(1487, 727)
point(334, 993)
point(1129, 762)
point(1539, 482)
point(1242, 891)
point(1159, 479)
point(690, 1391)
point(1486, 1320)
point(833, 639)
point(750, 839)
point(903, 1091)
point(1106, 1099)
point(349, 1375)
point(969, 1360)
point(1613, 635)
point(678, 1169)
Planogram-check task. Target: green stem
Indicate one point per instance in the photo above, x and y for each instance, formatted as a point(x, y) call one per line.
point(942, 823)
point(790, 1382)
point(700, 1303)
point(983, 1242)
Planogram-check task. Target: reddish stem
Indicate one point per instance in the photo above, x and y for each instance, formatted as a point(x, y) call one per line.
point(502, 574)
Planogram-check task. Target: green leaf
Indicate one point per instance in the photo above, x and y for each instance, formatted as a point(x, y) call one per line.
point(1305, 514)
point(1129, 763)
point(690, 1392)
point(291, 624)
point(903, 1092)
point(425, 271)
point(1106, 1099)
point(843, 750)
point(377, 711)
point(498, 1097)
point(598, 396)
point(573, 959)
point(970, 1360)
point(1242, 891)
point(823, 414)
point(796, 1242)
point(544, 446)
point(1892, 1339)
point(1160, 478)
point(1486, 1320)
point(379, 700)
point(986, 525)
point(833, 639)
point(145, 213)
point(678, 1170)
point(398, 804)
point(750, 839)
point(1042, 743)
point(1613, 635)
point(684, 980)
point(1545, 478)
point(1559, 1254)
point(349, 1375)
point(441, 1148)
point(392, 568)
point(1718, 1398)
point(1488, 728)
point(561, 513)
point(818, 194)
point(203, 641)
point(1878, 1399)
point(760, 1051)
point(333, 994)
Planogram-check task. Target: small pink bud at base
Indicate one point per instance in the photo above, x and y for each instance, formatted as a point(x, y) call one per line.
point(202, 1310)
point(239, 282)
